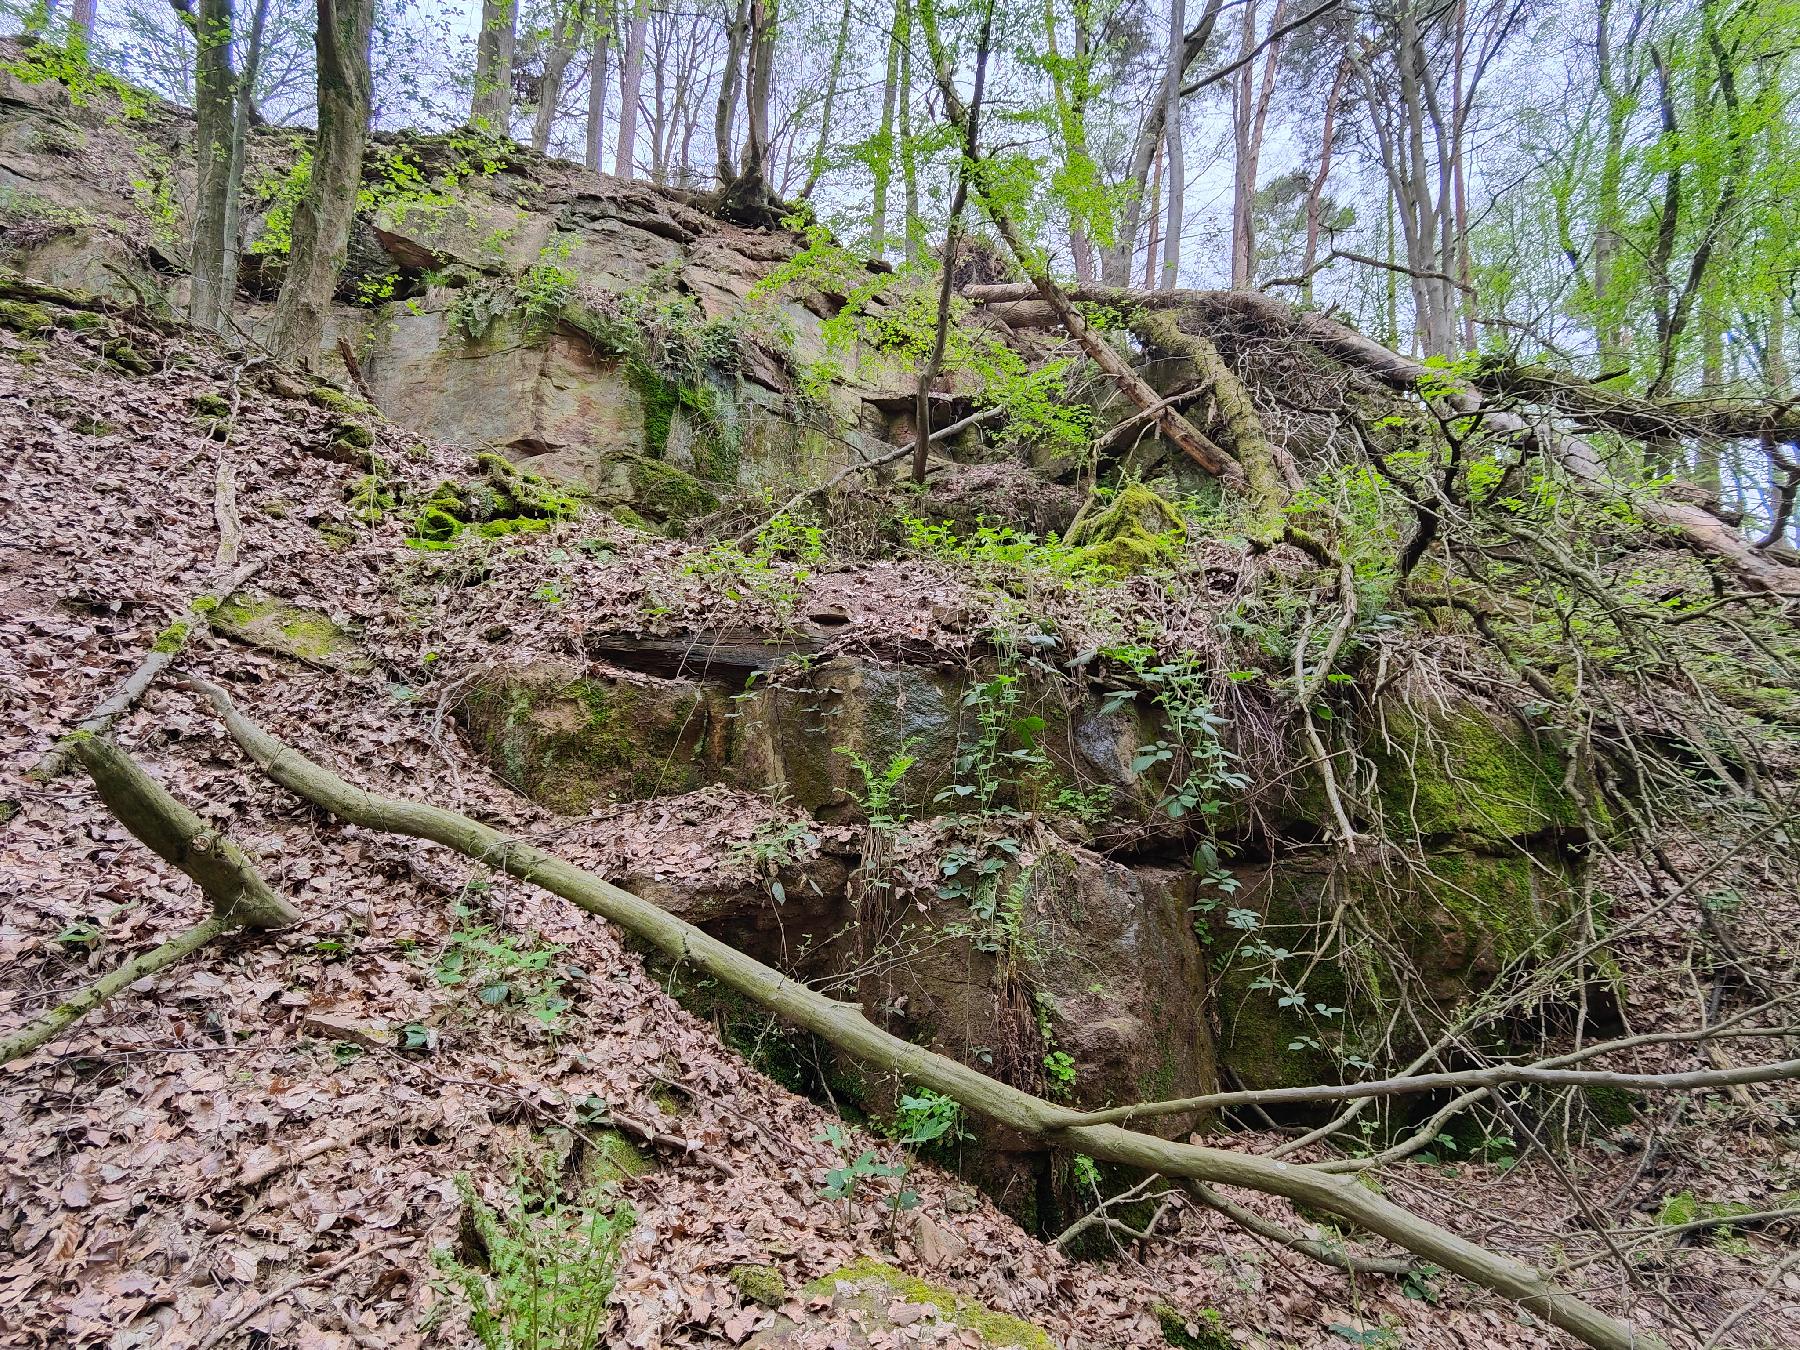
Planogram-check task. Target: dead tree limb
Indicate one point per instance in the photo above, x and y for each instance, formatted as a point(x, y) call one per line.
point(844, 1026)
point(240, 897)
point(1694, 526)
point(123, 699)
point(1323, 1252)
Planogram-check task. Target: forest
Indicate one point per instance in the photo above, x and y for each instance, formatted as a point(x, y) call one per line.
point(936, 673)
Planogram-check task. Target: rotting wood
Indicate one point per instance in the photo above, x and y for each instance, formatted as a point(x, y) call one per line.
point(844, 1026)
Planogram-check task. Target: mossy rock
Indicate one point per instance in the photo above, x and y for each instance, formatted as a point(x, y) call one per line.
point(1205, 1330)
point(668, 494)
point(612, 1159)
point(869, 1289)
point(1467, 774)
point(1138, 531)
point(337, 401)
point(290, 630)
point(568, 741)
point(24, 317)
point(505, 500)
point(126, 359)
point(761, 1285)
point(210, 405)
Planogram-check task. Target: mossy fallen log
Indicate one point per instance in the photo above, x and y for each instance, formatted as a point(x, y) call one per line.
point(240, 897)
point(844, 1026)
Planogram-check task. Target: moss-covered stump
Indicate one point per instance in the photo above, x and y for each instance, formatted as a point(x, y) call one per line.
point(878, 1299)
point(610, 1159)
point(290, 630)
point(569, 740)
point(761, 1285)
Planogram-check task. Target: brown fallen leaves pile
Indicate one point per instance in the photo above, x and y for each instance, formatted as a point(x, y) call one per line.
point(239, 1153)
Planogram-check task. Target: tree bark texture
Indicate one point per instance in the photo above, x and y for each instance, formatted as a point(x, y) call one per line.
point(491, 107)
point(214, 91)
point(322, 217)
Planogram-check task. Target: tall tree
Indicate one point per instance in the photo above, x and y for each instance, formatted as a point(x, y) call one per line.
point(215, 89)
point(1249, 118)
point(565, 33)
point(599, 34)
point(322, 217)
point(882, 148)
point(631, 79)
point(495, 46)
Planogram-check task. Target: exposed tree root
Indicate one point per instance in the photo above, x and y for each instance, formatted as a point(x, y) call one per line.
point(844, 1026)
point(240, 897)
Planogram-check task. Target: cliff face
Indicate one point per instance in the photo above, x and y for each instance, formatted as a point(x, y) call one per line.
point(596, 366)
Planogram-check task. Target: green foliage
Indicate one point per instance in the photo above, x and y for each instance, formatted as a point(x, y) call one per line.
point(503, 969)
point(280, 192)
point(881, 787)
point(845, 1181)
point(1199, 770)
point(772, 571)
point(69, 65)
point(543, 1269)
point(925, 1117)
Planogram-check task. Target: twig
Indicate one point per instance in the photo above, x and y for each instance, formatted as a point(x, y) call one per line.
point(1322, 1252)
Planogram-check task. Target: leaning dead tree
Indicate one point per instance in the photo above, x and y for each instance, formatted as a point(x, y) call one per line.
point(844, 1026)
point(239, 896)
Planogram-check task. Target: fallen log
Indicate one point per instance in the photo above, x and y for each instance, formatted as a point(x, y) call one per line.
point(1697, 528)
point(844, 1026)
point(239, 895)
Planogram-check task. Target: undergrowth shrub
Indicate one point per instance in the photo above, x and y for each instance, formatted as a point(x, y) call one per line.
point(538, 1271)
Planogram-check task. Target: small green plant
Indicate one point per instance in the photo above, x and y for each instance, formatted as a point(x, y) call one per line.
point(927, 1117)
point(845, 1181)
point(542, 1268)
point(1059, 1072)
point(772, 570)
point(879, 797)
point(503, 969)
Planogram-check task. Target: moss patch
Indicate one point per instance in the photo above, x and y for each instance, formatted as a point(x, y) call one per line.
point(504, 500)
point(762, 1285)
point(1467, 775)
point(569, 743)
point(875, 1285)
point(1205, 1330)
point(613, 1159)
point(290, 630)
point(24, 317)
point(669, 494)
point(1137, 532)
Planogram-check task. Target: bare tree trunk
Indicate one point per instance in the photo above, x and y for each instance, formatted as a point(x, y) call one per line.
point(730, 86)
point(909, 159)
point(1250, 115)
point(631, 78)
point(242, 115)
point(884, 143)
point(214, 91)
point(322, 217)
point(1153, 249)
point(81, 22)
point(747, 197)
point(565, 32)
point(657, 58)
point(1315, 194)
point(1177, 159)
point(831, 91)
point(596, 109)
point(491, 107)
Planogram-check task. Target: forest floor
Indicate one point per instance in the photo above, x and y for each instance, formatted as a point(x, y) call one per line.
point(214, 1159)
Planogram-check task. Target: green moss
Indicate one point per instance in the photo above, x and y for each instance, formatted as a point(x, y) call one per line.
point(81, 321)
point(668, 493)
point(289, 630)
point(613, 1159)
point(210, 405)
point(1464, 774)
point(1205, 1330)
point(335, 400)
point(173, 638)
point(660, 399)
point(354, 434)
point(1137, 532)
point(877, 1284)
point(505, 500)
point(626, 516)
point(122, 356)
point(24, 317)
point(762, 1285)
